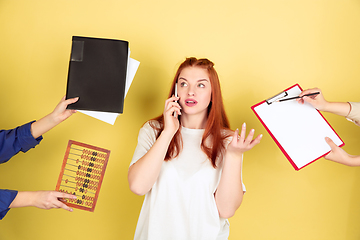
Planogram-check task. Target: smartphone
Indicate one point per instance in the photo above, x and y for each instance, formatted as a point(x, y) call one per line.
point(176, 95)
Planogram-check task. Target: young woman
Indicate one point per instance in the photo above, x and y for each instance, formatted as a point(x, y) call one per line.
point(188, 162)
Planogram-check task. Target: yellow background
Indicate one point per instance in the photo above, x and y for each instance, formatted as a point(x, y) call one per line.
point(259, 47)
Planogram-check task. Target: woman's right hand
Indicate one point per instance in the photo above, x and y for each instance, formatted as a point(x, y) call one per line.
point(171, 122)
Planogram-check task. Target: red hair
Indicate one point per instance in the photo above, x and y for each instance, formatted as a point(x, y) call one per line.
point(217, 122)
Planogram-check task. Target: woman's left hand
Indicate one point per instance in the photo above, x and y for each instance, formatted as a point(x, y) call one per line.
point(241, 143)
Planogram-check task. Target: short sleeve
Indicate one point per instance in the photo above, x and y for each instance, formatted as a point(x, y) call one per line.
point(146, 138)
point(6, 198)
point(354, 114)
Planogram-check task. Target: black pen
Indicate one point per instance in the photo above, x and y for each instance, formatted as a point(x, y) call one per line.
point(292, 98)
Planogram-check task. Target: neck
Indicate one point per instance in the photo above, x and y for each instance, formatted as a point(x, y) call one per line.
point(193, 121)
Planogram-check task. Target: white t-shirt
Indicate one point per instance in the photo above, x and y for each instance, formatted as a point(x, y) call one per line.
point(181, 204)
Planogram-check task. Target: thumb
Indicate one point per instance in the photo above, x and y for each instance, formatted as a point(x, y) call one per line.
point(330, 142)
point(309, 100)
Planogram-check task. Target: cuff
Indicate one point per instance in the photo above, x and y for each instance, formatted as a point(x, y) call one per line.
point(6, 198)
point(354, 114)
point(26, 139)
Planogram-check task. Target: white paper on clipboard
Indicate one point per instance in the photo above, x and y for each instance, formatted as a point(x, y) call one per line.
point(298, 129)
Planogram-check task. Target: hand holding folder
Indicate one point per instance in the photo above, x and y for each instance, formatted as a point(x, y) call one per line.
point(100, 73)
point(299, 130)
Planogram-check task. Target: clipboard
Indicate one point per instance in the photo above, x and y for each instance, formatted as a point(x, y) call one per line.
point(299, 130)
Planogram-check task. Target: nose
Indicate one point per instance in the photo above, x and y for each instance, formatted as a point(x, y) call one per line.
point(191, 91)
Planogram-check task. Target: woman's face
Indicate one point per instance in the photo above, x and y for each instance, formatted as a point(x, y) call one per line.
point(194, 91)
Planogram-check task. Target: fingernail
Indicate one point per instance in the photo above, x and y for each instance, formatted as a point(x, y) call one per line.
point(244, 125)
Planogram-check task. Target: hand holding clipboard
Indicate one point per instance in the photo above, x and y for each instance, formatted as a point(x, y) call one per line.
point(299, 130)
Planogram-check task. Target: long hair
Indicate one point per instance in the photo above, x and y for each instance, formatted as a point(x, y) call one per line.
point(212, 144)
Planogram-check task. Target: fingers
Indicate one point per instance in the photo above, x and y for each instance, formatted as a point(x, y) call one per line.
point(64, 195)
point(311, 90)
point(256, 140)
point(172, 99)
point(332, 155)
point(243, 132)
point(69, 101)
point(249, 138)
point(58, 201)
point(306, 98)
point(172, 106)
point(331, 143)
point(61, 111)
point(248, 142)
point(63, 206)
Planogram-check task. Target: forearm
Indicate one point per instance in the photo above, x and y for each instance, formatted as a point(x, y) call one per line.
point(355, 160)
point(42, 199)
point(43, 125)
point(339, 108)
point(23, 199)
point(59, 114)
point(229, 194)
point(348, 160)
point(143, 174)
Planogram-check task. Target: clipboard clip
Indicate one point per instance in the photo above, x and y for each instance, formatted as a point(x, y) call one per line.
point(276, 97)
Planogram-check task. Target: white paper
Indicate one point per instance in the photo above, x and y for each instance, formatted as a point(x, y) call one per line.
point(299, 128)
point(109, 117)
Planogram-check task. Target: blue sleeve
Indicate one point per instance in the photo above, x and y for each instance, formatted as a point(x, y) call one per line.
point(6, 198)
point(14, 140)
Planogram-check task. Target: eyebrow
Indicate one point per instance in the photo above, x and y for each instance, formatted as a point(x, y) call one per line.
point(200, 80)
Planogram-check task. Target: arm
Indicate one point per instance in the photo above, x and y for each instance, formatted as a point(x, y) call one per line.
point(338, 155)
point(319, 102)
point(59, 114)
point(28, 135)
point(41, 199)
point(229, 193)
point(15, 140)
point(143, 174)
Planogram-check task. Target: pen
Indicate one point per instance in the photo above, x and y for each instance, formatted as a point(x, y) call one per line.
point(292, 98)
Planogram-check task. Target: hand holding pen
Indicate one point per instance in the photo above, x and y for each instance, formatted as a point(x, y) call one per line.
point(317, 100)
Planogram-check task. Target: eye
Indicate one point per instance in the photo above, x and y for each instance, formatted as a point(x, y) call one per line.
point(183, 84)
point(201, 85)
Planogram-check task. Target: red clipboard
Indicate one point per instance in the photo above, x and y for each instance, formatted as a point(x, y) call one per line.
point(299, 130)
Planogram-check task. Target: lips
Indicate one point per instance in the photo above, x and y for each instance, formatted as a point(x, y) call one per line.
point(190, 102)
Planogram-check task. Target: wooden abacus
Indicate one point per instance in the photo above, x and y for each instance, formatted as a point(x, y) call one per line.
point(82, 173)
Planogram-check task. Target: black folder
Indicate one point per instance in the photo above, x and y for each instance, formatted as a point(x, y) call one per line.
point(97, 74)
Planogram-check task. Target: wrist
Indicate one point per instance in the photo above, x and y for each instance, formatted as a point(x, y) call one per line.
point(325, 106)
point(234, 156)
point(167, 134)
point(54, 119)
